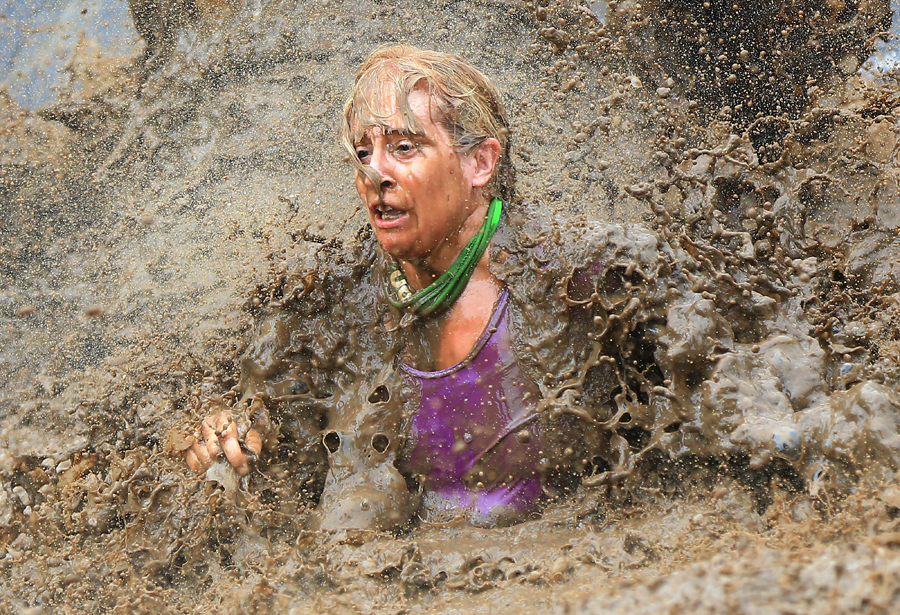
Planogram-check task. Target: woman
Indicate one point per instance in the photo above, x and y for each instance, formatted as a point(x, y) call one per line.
point(427, 135)
point(659, 344)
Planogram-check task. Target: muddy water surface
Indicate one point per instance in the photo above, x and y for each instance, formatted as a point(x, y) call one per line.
point(718, 375)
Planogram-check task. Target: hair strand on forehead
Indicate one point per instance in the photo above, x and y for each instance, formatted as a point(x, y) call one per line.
point(464, 102)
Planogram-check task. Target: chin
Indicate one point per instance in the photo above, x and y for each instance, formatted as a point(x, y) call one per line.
point(392, 249)
point(388, 242)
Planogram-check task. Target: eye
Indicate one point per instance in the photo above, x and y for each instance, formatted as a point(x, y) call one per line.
point(403, 148)
point(362, 153)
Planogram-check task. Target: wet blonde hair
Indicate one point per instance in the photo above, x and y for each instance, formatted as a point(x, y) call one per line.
point(465, 102)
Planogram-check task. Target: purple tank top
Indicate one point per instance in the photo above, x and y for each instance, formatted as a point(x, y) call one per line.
point(475, 439)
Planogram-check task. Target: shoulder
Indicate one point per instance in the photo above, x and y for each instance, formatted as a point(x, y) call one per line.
point(556, 243)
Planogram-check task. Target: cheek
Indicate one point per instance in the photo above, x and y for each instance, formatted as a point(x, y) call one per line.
point(467, 169)
point(361, 186)
point(410, 177)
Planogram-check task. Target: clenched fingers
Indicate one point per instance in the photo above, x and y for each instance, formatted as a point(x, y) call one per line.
point(219, 436)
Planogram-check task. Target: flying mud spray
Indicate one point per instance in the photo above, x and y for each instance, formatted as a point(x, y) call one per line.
point(704, 270)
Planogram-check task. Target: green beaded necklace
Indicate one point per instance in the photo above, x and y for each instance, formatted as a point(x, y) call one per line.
point(441, 293)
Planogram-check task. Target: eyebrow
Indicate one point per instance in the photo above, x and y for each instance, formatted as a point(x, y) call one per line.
point(399, 132)
point(402, 132)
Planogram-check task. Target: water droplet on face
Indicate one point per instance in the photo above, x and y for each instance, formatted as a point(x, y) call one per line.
point(467, 437)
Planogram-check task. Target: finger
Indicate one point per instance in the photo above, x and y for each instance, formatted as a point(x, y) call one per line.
point(202, 453)
point(253, 441)
point(232, 449)
point(196, 454)
point(208, 431)
point(197, 457)
point(222, 421)
point(236, 456)
point(190, 440)
point(192, 461)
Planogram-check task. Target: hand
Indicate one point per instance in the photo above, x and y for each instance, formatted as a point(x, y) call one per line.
point(218, 435)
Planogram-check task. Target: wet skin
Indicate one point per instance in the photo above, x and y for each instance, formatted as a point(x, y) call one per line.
point(218, 435)
point(429, 203)
point(432, 194)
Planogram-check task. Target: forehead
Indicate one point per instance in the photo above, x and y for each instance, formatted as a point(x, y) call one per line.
point(384, 106)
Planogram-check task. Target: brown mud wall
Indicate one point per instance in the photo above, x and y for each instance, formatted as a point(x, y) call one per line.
point(149, 222)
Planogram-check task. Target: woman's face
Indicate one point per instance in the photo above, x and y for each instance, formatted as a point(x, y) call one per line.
point(427, 189)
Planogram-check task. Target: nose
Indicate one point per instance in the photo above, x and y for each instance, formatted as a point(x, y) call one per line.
point(380, 163)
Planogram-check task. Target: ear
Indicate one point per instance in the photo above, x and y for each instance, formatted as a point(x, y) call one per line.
point(484, 161)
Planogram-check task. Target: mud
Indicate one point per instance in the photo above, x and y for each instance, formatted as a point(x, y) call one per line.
point(705, 292)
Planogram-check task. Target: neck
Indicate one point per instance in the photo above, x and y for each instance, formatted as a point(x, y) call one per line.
point(445, 290)
point(422, 272)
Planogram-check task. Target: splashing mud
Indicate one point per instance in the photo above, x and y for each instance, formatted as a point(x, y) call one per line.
point(702, 265)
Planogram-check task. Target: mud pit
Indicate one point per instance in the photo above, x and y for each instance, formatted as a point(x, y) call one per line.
point(732, 362)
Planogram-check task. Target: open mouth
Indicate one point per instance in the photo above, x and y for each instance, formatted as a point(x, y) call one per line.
point(387, 213)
